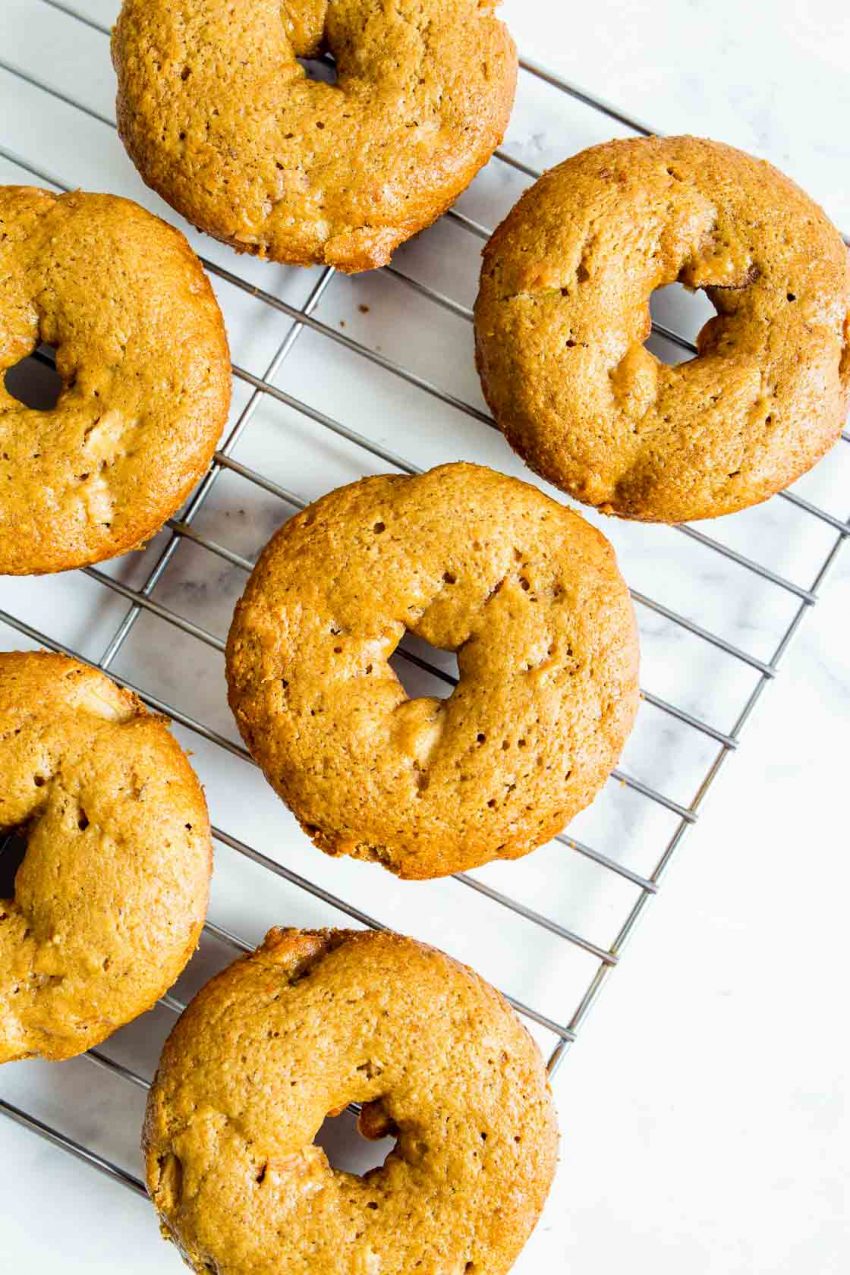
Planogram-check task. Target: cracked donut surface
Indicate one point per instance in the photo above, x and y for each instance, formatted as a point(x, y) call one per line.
point(142, 353)
point(523, 590)
point(222, 120)
point(563, 313)
point(112, 891)
point(313, 1021)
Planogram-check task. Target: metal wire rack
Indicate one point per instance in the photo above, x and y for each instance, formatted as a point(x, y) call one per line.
point(767, 585)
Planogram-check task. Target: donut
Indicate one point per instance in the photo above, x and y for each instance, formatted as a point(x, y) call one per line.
point(112, 891)
point(523, 590)
point(142, 353)
point(563, 312)
point(220, 117)
point(313, 1021)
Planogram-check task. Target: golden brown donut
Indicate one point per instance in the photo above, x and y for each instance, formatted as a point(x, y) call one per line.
point(563, 312)
point(142, 352)
point(112, 892)
point(220, 118)
point(526, 593)
point(310, 1022)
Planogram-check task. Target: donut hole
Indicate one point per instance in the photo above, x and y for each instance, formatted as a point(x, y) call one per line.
point(347, 1149)
point(680, 310)
point(322, 69)
point(416, 679)
point(13, 849)
point(34, 381)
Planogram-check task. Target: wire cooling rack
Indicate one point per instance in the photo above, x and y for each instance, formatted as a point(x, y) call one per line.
point(334, 378)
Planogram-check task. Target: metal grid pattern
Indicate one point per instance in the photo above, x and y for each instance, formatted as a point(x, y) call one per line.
point(188, 529)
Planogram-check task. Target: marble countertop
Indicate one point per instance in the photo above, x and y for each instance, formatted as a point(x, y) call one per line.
point(706, 1105)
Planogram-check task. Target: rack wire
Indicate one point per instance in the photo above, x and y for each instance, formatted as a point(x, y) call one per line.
point(184, 530)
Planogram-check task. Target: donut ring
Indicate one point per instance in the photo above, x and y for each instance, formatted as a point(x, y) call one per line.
point(322, 1019)
point(112, 892)
point(220, 118)
point(563, 311)
point(526, 593)
point(141, 349)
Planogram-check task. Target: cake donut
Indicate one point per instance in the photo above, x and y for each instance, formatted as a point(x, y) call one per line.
point(142, 353)
point(526, 593)
point(222, 120)
point(563, 312)
point(313, 1021)
point(112, 891)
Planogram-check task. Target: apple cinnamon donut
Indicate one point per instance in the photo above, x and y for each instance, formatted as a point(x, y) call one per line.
point(142, 353)
point(526, 593)
point(563, 312)
point(221, 119)
point(112, 891)
point(313, 1021)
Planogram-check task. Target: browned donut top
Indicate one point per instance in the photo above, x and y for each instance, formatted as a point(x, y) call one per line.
point(297, 1030)
point(526, 593)
point(563, 312)
point(221, 119)
point(141, 349)
point(112, 892)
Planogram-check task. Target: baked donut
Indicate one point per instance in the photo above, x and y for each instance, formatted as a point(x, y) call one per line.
point(112, 891)
point(221, 119)
point(313, 1021)
point(526, 593)
point(563, 312)
point(142, 353)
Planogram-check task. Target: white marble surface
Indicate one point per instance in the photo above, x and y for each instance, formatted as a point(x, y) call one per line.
point(705, 1107)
